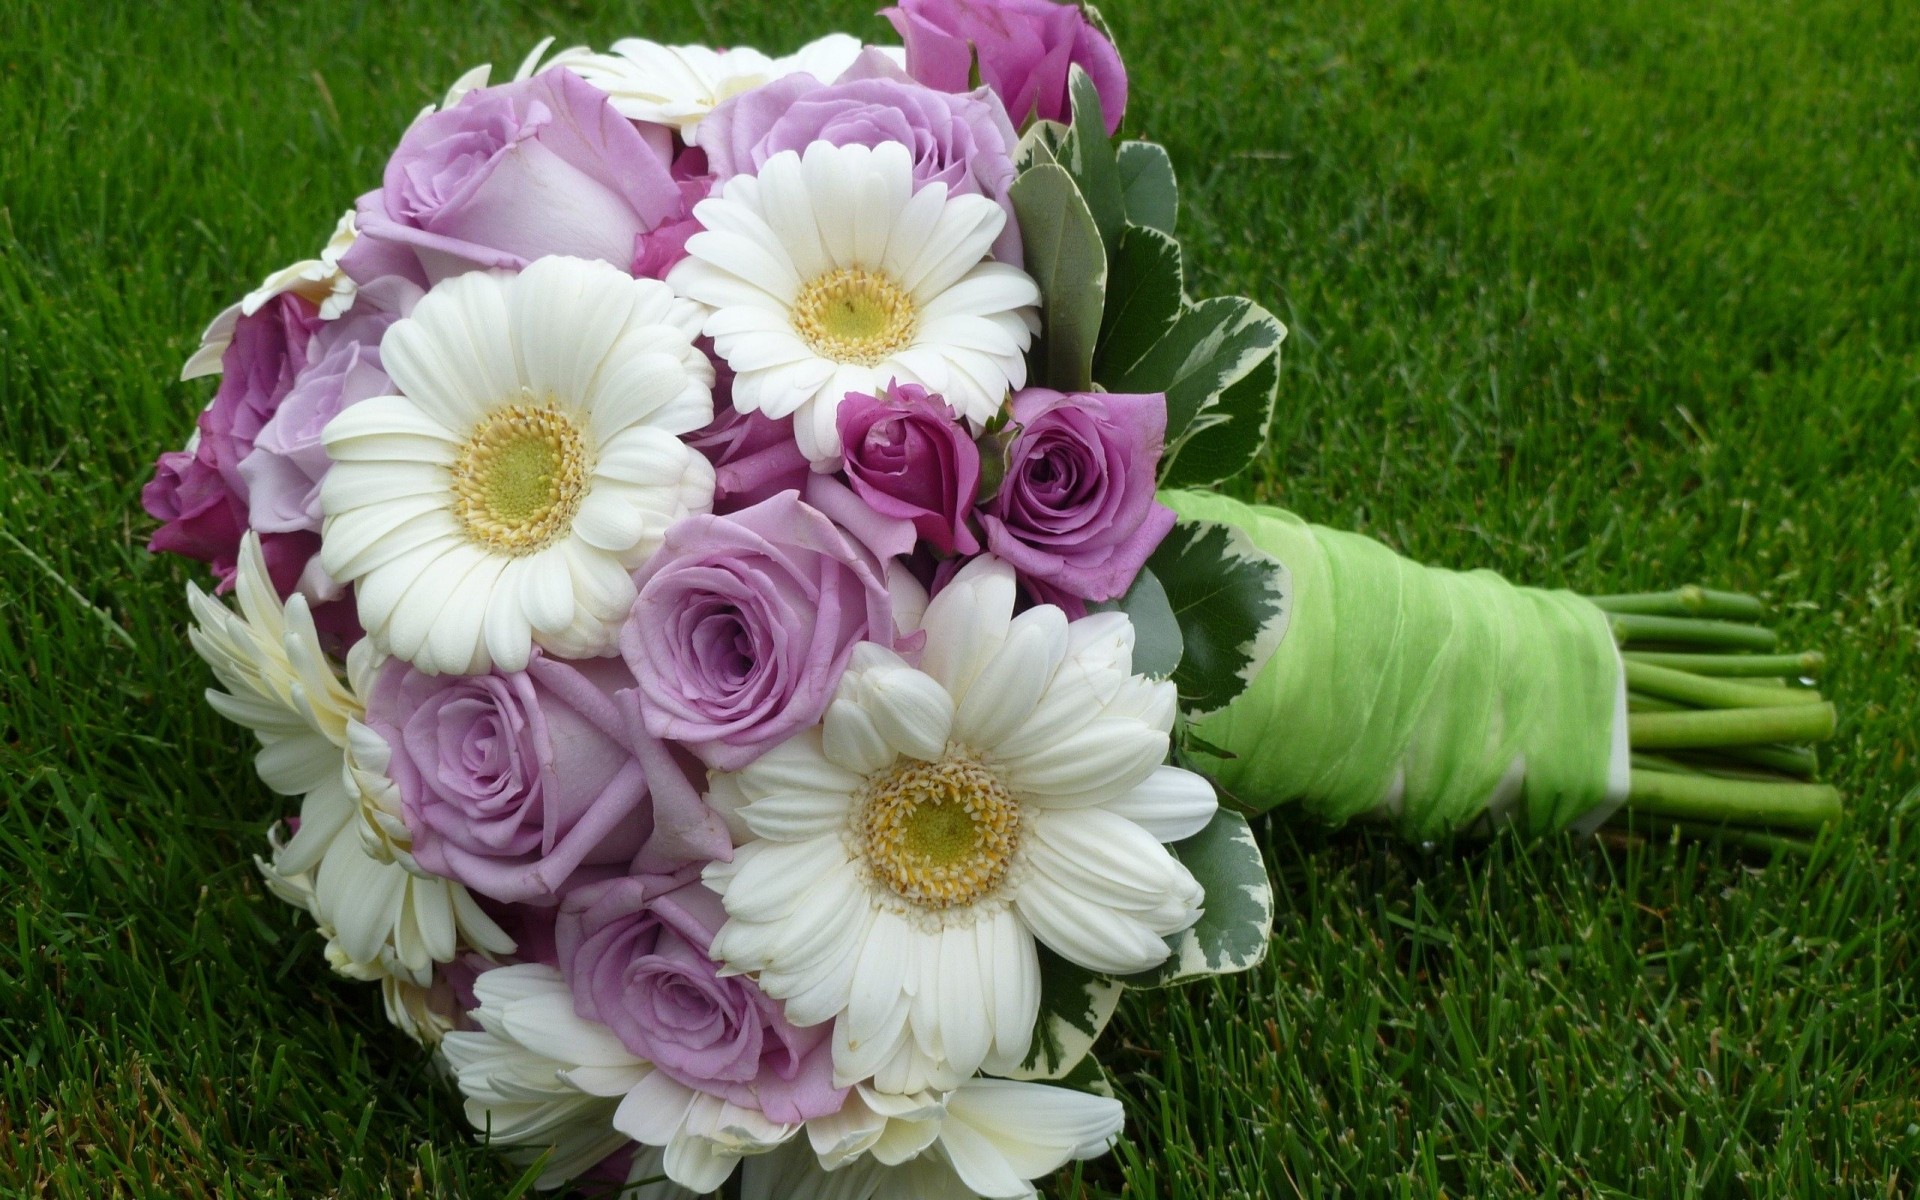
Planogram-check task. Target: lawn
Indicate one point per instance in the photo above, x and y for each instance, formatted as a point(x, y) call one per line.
point(1604, 295)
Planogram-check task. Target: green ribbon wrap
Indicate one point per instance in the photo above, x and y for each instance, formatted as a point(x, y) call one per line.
point(1441, 701)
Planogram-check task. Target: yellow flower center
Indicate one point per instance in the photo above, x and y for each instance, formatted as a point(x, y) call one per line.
point(940, 835)
point(854, 315)
point(519, 478)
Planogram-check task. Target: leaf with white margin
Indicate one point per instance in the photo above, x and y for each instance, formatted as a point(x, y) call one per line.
point(1075, 1006)
point(1088, 1076)
point(1040, 144)
point(1233, 602)
point(1212, 346)
point(1156, 632)
point(1147, 182)
point(1232, 933)
point(1087, 154)
point(1066, 258)
point(1145, 296)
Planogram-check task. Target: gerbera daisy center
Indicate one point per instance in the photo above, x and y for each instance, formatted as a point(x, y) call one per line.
point(853, 315)
point(940, 835)
point(519, 478)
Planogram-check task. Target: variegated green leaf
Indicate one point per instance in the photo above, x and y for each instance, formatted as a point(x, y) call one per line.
point(1065, 256)
point(1233, 932)
point(1145, 281)
point(1227, 436)
point(1149, 190)
point(1075, 1005)
point(1040, 144)
point(1156, 633)
point(1099, 23)
point(1232, 601)
point(1087, 1076)
point(1087, 154)
point(1212, 346)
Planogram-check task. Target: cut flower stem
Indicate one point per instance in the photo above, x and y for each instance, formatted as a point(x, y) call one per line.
point(1730, 727)
point(1688, 631)
point(1719, 736)
point(1756, 666)
point(1736, 801)
point(1689, 601)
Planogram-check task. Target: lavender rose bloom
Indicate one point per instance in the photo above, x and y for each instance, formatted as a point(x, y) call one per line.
point(1076, 512)
point(963, 141)
point(284, 469)
point(200, 494)
point(635, 953)
point(510, 174)
point(1025, 49)
point(908, 456)
point(521, 785)
point(744, 624)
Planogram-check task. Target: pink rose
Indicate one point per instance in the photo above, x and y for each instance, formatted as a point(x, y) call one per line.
point(1025, 48)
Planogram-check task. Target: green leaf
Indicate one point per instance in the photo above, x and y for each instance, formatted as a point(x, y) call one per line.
point(1075, 1005)
point(1065, 257)
point(1232, 934)
point(1099, 24)
point(1232, 601)
point(1156, 634)
point(1087, 1076)
point(1040, 144)
point(1223, 439)
point(1088, 156)
point(1212, 346)
point(1149, 191)
point(1144, 285)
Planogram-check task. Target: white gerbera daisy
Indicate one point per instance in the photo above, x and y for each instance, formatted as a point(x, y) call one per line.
point(827, 273)
point(677, 86)
point(530, 462)
point(912, 849)
point(380, 918)
point(990, 1137)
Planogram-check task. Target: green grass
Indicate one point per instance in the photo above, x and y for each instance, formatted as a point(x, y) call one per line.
point(1605, 295)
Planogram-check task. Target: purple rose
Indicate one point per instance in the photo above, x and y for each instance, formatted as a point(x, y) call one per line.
point(510, 174)
point(521, 785)
point(1076, 513)
point(199, 494)
point(1025, 48)
point(754, 456)
point(744, 624)
point(962, 141)
point(908, 456)
point(284, 469)
point(635, 953)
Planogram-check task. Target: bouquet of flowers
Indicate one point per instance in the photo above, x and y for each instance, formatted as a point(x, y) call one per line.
point(722, 555)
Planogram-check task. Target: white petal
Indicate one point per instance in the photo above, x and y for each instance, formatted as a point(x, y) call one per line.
point(966, 623)
point(850, 739)
point(910, 710)
point(771, 878)
point(1108, 860)
point(454, 355)
point(1034, 1128)
point(1102, 762)
point(799, 764)
point(1009, 685)
point(1172, 804)
point(1090, 934)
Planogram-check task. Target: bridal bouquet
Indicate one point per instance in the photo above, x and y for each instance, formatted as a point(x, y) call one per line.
point(721, 553)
